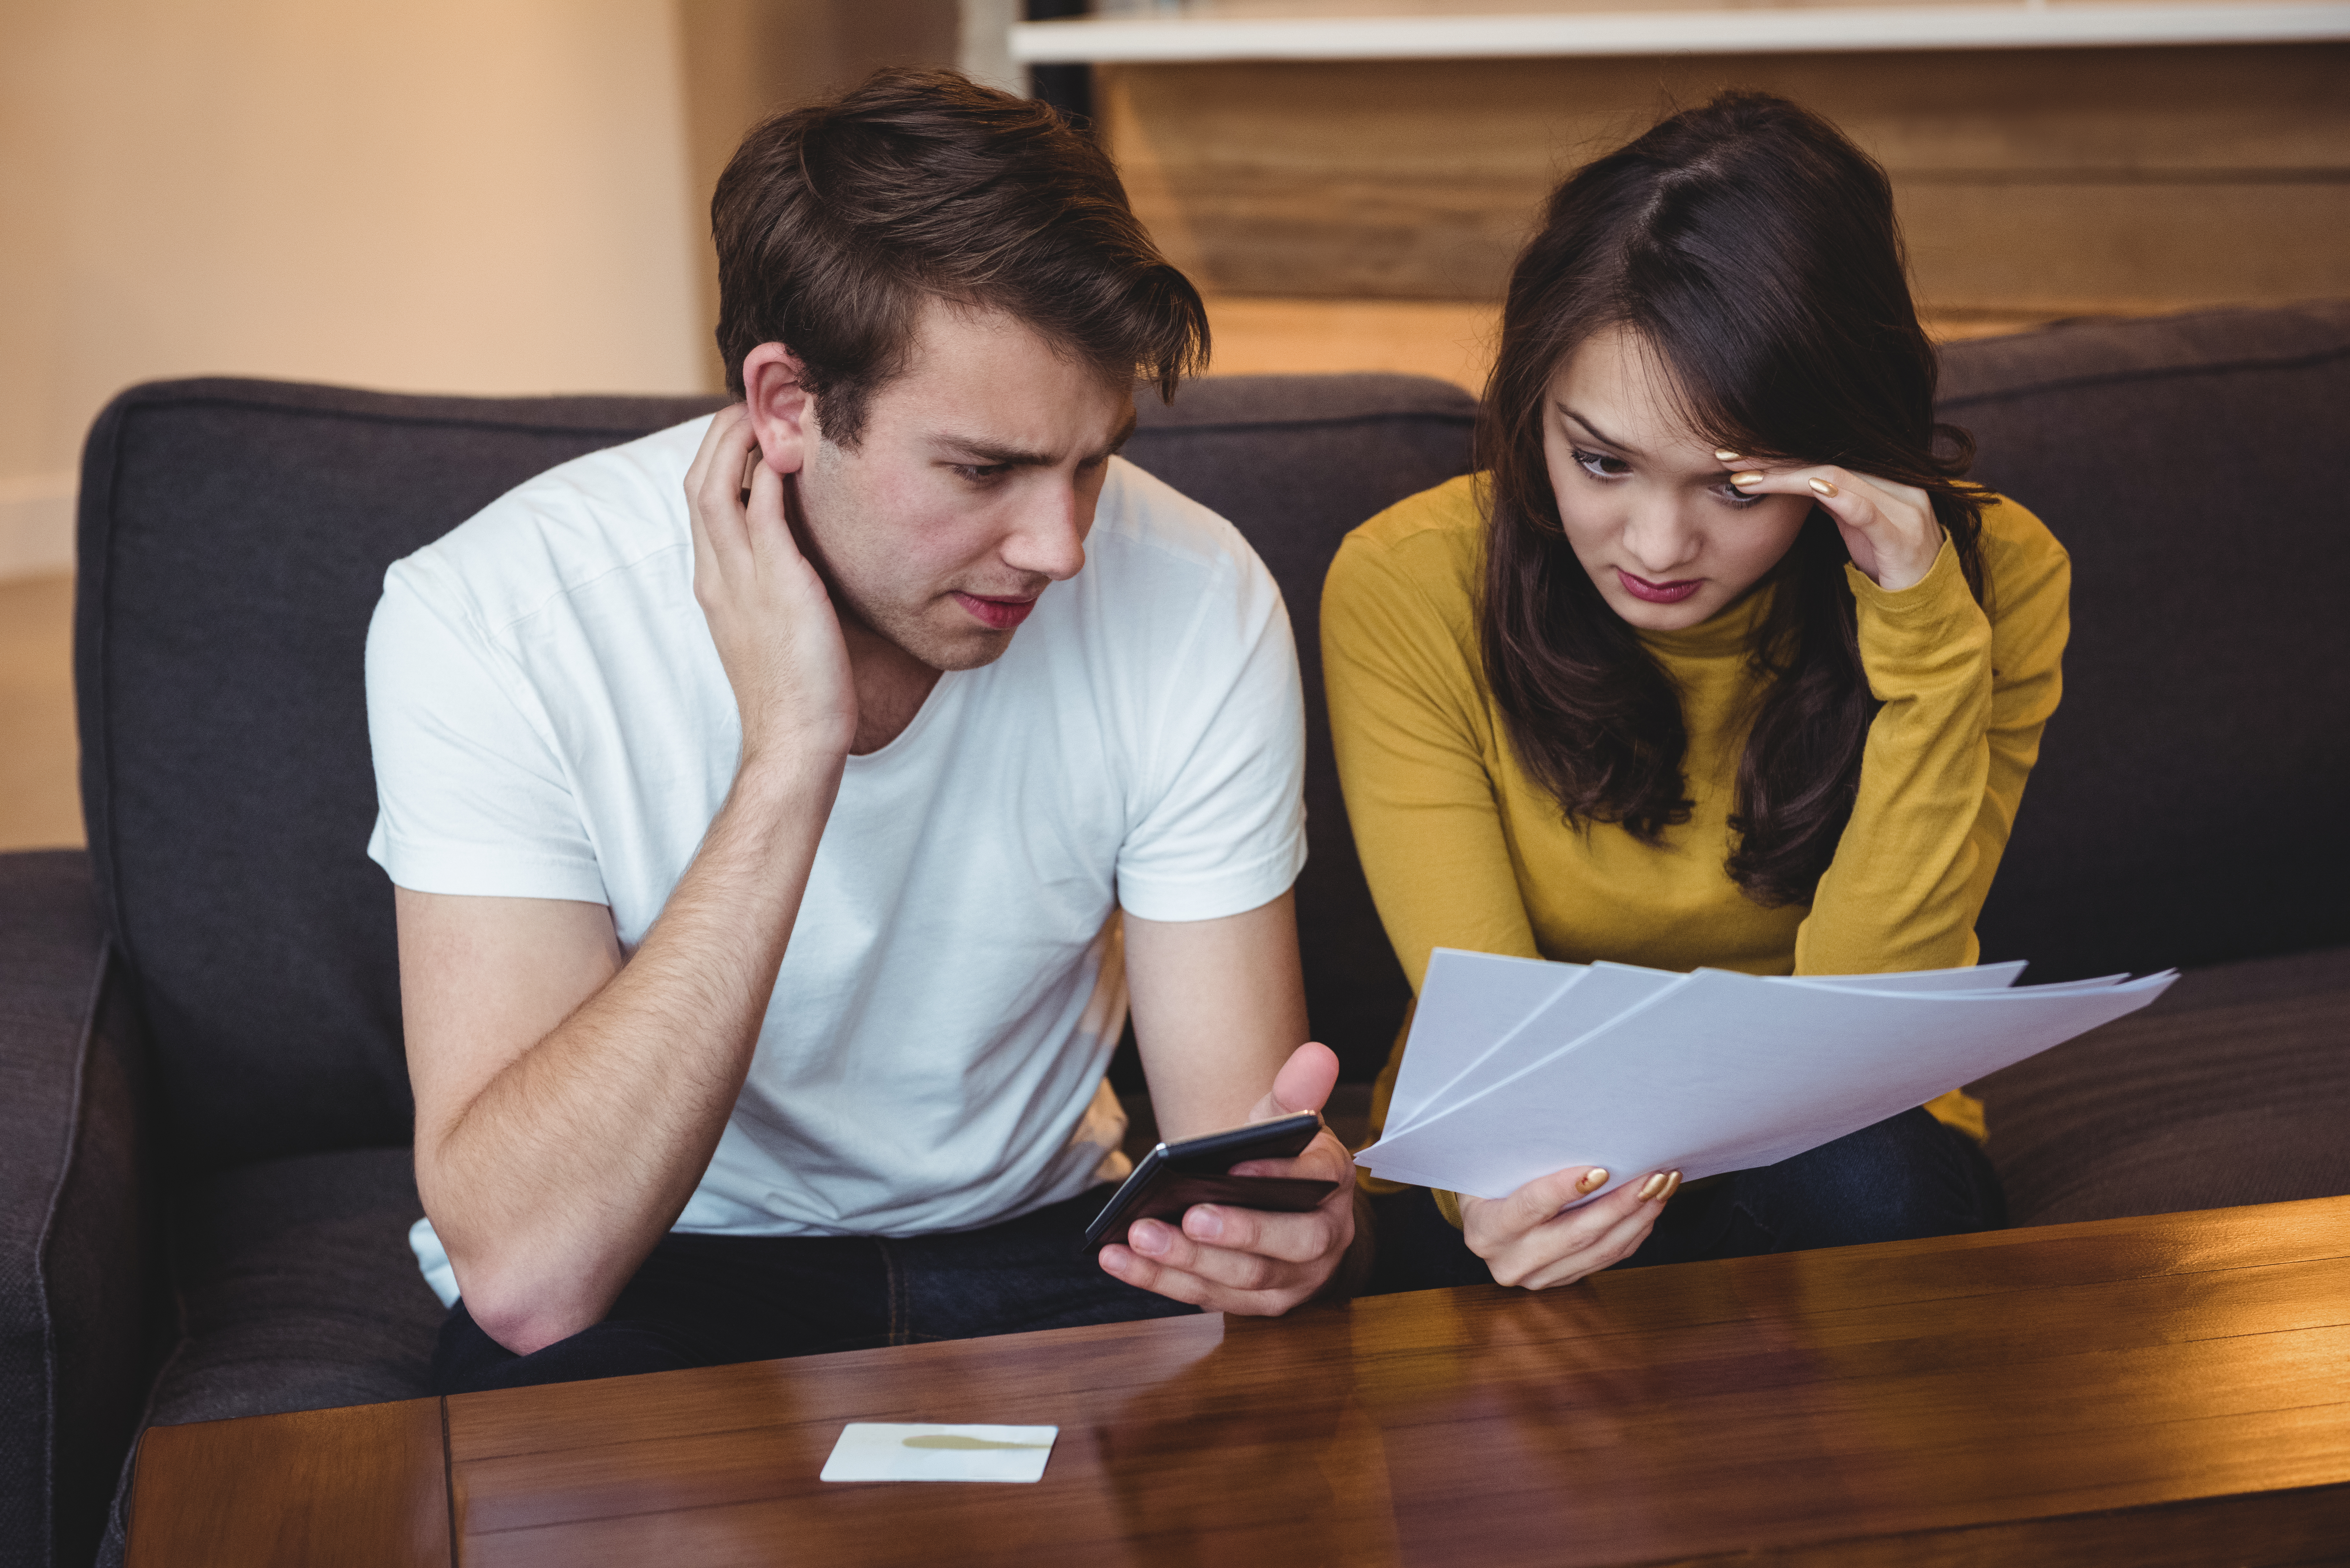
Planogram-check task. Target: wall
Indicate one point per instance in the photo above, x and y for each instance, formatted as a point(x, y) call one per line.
point(451, 195)
point(747, 60)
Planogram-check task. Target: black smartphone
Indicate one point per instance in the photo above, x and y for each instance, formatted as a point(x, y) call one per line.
point(1174, 1176)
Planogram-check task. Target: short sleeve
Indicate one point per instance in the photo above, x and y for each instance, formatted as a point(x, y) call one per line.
point(1222, 828)
point(472, 794)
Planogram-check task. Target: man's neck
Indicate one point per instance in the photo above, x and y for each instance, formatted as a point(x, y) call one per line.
point(892, 685)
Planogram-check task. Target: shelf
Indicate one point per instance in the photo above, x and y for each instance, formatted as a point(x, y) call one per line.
point(1166, 40)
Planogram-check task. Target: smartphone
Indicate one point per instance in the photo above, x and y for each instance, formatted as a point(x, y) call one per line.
point(1174, 1176)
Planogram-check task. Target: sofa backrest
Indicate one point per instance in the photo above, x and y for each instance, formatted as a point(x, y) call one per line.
point(234, 538)
point(2187, 807)
point(235, 535)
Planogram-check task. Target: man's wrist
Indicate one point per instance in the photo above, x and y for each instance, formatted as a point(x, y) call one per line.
point(786, 775)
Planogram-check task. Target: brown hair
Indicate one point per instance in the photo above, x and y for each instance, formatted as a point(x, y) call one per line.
point(1752, 249)
point(835, 222)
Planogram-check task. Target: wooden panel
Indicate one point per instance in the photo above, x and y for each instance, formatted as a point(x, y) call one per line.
point(2039, 181)
point(364, 1487)
point(2272, 1530)
point(2021, 1385)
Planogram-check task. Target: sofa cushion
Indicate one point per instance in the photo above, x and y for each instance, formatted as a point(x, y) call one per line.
point(2233, 1088)
point(80, 1274)
point(234, 537)
point(2192, 466)
point(233, 540)
point(1295, 462)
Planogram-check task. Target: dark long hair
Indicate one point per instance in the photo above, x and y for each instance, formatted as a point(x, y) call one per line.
point(1752, 249)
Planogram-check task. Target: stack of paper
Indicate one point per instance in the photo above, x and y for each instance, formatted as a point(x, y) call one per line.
point(1517, 1069)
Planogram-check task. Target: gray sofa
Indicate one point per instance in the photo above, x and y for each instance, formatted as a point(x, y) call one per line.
point(204, 1176)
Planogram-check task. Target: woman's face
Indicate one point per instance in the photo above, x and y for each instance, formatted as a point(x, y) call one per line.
point(1648, 508)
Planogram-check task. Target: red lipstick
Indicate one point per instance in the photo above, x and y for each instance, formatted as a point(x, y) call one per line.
point(1658, 593)
point(996, 614)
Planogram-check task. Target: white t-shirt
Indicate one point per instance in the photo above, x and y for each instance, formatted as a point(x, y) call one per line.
point(550, 721)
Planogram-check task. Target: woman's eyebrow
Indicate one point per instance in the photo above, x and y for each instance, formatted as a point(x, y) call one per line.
point(1598, 438)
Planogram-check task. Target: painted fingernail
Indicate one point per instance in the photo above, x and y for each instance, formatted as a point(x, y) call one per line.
point(1822, 485)
point(1654, 1185)
point(1725, 455)
point(1745, 479)
point(1671, 1187)
point(1593, 1180)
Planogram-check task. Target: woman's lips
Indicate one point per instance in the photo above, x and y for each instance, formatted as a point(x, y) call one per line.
point(1658, 593)
point(996, 614)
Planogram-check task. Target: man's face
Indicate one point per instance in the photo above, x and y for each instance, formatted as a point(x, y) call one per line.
point(1648, 508)
point(971, 492)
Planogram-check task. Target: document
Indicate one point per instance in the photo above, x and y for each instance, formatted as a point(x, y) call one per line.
point(1639, 1070)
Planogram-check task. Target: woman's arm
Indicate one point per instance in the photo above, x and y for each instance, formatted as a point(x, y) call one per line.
point(1967, 690)
point(1410, 727)
point(1407, 724)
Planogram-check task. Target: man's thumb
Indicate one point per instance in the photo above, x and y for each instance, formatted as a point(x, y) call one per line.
point(1303, 1083)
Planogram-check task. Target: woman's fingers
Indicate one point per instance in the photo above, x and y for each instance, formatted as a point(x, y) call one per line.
point(1527, 1240)
point(1890, 527)
point(1611, 1247)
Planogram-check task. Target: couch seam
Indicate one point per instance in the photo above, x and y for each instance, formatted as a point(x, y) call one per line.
point(97, 748)
point(222, 399)
point(219, 399)
point(1323, 422)
point(41, 1248)
point(2147, 373)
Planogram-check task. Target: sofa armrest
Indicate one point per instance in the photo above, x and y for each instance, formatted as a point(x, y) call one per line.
point(81, 1281)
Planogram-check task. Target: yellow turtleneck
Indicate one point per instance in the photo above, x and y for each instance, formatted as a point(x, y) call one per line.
point(1463, 849)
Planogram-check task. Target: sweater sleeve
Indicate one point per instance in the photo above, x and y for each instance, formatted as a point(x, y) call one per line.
point(1966, 694)
point(1408, 731)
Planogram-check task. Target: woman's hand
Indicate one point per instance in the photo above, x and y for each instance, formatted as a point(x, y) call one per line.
point(1889, 528)
point(773, 622)
point(1526, 1240)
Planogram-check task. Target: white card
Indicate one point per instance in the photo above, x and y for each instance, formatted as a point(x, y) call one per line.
point(885, 1450)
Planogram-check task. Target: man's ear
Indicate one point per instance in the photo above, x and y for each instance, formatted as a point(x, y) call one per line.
point(783, 414)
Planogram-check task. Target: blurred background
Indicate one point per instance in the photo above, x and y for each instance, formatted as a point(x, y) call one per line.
point(506, 196)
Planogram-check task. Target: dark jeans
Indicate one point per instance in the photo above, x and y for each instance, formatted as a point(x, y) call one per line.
point(1907, 1176)
point(707, 1300)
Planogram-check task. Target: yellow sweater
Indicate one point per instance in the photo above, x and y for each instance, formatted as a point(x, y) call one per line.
point(1463, 849)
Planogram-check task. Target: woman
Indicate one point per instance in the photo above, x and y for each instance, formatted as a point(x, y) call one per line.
point(1718, 661)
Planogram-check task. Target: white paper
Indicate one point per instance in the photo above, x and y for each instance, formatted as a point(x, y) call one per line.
point(1597, 995)
point(1465, 995)
point(1481, 997)
point(897, 1451)
point(1728, 1071)
point(1980, 977)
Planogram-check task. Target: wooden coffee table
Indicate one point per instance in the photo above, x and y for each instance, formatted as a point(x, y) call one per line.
point(2173, 1389)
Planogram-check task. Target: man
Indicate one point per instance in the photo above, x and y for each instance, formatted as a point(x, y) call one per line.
point(762, 796)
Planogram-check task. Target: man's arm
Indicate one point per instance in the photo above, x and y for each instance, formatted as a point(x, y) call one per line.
point(567, 1102)
point(1219, 1013)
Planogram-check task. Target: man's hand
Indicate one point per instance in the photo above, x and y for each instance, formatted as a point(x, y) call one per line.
point(1531, 1239)
point(1247, 1260)
point(773, 622)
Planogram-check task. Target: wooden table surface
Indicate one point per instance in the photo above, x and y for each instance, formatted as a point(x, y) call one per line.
point(2172, 1389)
